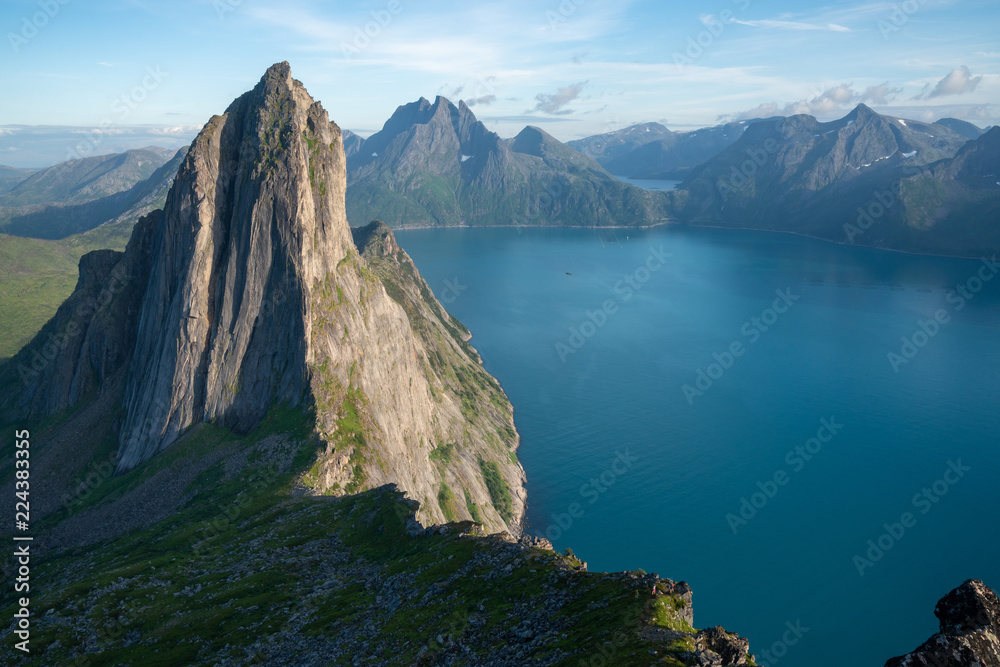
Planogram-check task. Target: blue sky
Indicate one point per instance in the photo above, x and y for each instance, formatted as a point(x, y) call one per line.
point(150, 70)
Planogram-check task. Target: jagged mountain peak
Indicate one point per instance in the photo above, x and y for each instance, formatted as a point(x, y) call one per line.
point(440, 137)
point(247, 293)
point(531, 141)
point(252, 220)
point(863, 112)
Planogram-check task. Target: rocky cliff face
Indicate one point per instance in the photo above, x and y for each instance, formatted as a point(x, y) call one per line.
point(248, 291)
point(970, 627)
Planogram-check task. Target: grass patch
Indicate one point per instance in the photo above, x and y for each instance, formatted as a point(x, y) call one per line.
point(473, 509)
point(448, 503)
point(499, 491)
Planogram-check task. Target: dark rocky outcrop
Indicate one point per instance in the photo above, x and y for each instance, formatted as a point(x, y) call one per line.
point(969, 635)
point(717, 648)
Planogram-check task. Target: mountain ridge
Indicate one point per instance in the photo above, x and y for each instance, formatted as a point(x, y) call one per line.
point(436, 164)
point(246, 291)
point(838, 179)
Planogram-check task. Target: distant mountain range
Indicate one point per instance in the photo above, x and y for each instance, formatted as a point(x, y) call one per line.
point(86, 179)
point(865, 179)
point(652, 151)
point(79, 195)
point(11, 176)
point(435, 164)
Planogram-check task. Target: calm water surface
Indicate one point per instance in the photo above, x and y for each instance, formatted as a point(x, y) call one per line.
point(686, 462)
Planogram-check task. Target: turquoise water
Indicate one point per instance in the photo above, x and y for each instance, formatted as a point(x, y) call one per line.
point(675, 465)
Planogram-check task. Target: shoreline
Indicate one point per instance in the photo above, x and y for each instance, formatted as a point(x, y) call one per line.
point(695, 225)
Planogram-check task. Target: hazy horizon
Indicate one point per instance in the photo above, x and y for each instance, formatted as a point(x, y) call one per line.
point(575, 67)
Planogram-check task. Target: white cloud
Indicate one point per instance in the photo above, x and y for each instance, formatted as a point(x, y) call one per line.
point(830, 103)
point(956, 82)
point(554, 103)
point(485, 100)
point(793, 25)
point(880, 94)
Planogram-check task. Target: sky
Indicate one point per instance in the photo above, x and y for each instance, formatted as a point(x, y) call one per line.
point(147, 72)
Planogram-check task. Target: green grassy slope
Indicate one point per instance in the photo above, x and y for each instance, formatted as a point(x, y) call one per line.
point(252, 571)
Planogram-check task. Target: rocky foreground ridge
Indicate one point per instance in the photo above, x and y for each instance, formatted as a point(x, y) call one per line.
point(970, 631)
point(253, 575)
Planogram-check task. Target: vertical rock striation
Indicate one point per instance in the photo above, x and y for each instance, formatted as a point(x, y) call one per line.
point(224, 322)
point(248, 291)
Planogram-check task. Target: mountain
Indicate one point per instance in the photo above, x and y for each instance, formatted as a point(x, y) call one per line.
point(243, 426)
point(11, 176)
point(652, 151)
point(969, 617)
point(247, 291)
point(352, 143)
point(37, 275)
point(120, 209)
point(866, 179)
point(436, 164)
point(611, 145)
point(956, 202)
point(86, 179)
point(961, 127)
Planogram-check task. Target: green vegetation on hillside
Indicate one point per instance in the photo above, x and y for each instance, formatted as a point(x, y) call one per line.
point(499, 491)
point(247, 570)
